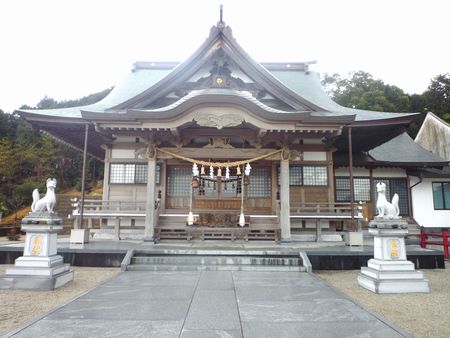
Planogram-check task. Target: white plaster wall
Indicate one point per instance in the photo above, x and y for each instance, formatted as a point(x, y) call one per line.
point(122, 153)
point(389, 172)
point(314, 156)
point(422, 204)
point(357, 171)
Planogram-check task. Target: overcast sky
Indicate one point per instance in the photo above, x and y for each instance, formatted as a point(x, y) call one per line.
point(67, 49)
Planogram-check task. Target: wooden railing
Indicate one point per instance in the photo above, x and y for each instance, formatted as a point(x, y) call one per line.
point(318, 212)
point(92, 206)
point(327, 210)
point(103, 210)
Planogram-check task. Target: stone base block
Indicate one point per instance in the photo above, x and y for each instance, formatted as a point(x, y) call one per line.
point(394, 284)
point(38, 261)
point(397, 265)
point(30, 282)
point(79, 236)
point(38, 271)
point(386, 275)
point(353, 238)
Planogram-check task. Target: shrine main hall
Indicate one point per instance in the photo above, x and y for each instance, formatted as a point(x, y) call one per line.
point(221, 146)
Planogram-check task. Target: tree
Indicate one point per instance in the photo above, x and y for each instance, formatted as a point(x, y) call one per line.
point(437, 96)
point(362, 91)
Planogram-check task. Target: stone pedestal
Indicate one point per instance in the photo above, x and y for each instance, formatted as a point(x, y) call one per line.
point(40, 267)
point(389, 271)
point(79, 236)
point(352, 238)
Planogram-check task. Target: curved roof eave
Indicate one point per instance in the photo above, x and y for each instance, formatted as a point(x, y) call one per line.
point(222, 97)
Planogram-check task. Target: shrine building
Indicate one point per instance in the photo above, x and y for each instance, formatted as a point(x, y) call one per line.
point(235, 148)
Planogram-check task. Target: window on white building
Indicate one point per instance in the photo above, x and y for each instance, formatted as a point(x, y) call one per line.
point(441, 195)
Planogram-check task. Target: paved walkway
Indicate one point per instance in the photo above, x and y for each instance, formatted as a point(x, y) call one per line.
point(211, 304)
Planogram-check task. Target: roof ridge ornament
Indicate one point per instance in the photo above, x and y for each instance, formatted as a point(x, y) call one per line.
point(221, 23)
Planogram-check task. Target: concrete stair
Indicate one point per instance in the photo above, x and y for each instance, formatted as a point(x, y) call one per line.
point(413, 229)
point(231, 260)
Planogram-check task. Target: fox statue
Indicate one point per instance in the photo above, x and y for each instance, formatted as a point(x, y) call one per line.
point(46, 202)
point(384, 208)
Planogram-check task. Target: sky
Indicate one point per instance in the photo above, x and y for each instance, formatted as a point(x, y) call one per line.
point(67, 49)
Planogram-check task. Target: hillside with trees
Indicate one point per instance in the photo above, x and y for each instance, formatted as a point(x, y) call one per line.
point(28, 157)
point(360, 90)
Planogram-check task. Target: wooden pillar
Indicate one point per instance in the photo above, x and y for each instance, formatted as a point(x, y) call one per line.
point(83, 174)
point(150, 204)
point(350, 168)
point(106, 172)
point(274, 187)
point(284, 199)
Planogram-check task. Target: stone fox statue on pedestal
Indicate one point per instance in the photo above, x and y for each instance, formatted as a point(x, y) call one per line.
point(46, 202)
point(384, 208)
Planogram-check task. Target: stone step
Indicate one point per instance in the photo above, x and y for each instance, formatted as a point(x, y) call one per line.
point(217, 260)
point(215, 252)
point(171, 267)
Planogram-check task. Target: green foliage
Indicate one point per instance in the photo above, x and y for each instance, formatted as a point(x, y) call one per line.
point(28, 157)
point(437, 96)
point(362, 91)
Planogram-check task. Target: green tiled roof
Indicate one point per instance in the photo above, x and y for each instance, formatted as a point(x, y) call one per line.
point(307, 85)
point(134, 83)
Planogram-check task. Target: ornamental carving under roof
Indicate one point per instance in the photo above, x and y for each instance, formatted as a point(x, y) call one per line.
point(218, 121)
point(220, 76)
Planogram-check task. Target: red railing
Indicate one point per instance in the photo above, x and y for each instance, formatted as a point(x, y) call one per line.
point(424, 238)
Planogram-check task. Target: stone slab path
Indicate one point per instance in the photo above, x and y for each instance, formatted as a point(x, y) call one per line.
point(211, 304)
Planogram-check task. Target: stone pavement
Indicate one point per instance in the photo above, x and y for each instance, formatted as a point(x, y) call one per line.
point(211, 304)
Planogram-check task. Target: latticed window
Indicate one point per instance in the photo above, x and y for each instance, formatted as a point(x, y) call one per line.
point(179, 181)
point(141, 173)
point(295, 175)
point(361, 189)
point(130, 173)
point(441, 195)
point(315, 176)
point(122, 173)
point(306, 175)
point(259, 183)
point(396, 186)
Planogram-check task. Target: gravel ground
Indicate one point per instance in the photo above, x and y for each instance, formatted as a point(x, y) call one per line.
point(422, 315)
point(20, 307)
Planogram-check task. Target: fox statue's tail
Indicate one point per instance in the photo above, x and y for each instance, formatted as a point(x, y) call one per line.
point(35, 199)
point(395, 204)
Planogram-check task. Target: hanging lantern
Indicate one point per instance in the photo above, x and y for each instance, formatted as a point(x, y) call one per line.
point(195, 171)
point(219, 172)
point(190, 218)
point(242, 220)
point(211, 172)
point(238, 170)
point(247, 169)
point(227, 173)
point(202, 171)
point(194, 183)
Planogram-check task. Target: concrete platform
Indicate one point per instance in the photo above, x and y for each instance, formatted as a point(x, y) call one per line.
point(323, 255)
point(211, 304)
